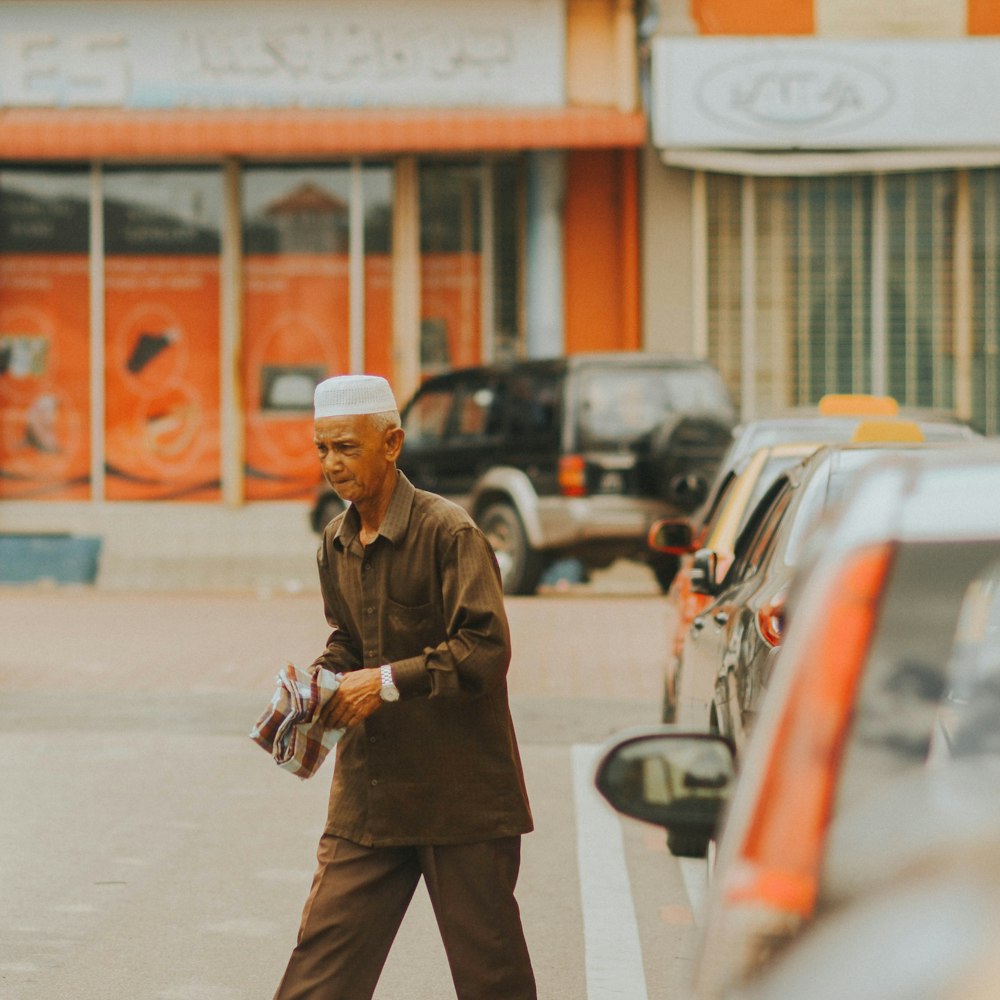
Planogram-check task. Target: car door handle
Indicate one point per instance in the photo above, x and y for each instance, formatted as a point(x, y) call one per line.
point(720, 617)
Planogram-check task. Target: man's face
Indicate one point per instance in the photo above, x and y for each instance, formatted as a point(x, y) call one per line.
point(356, 457)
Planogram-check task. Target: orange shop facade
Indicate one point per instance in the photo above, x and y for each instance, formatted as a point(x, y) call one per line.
point(201, 219)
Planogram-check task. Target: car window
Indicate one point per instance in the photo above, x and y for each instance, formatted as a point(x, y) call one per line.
point(532, 403)
point(756, 540)
point(622, 405)
point(906, 676)
point(772, 469)
point(477, 412)
point(426, 419)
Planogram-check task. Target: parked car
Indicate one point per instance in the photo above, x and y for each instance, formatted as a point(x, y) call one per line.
point(917, 867)
point(743, 476)
point(570, 458)
point(855, 700)
point(676, 537)
point(729, 650)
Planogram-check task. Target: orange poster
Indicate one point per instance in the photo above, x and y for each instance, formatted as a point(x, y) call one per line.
point(162, 389)
point(44, 377)
point(295, 334)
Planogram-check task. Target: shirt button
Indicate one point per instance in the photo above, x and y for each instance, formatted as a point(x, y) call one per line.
point(369, 610)
point(374, 782)
point(372, 739)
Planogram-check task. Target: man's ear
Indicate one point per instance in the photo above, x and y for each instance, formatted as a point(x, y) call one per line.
point(394, 443)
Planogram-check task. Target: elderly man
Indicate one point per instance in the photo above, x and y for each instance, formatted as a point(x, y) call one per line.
point(428, 778)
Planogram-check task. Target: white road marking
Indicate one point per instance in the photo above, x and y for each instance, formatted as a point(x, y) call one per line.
point(613, 955)
point(694, 871)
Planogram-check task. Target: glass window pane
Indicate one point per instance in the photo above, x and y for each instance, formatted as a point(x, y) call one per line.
point(377, 184)
point(507, 226)
point(162, 232)
point(296, 222)
point(44, 334)
point(450, 265)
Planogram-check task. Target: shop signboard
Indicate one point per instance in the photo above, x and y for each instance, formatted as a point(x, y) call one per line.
point(812, 93)
point(307, 53)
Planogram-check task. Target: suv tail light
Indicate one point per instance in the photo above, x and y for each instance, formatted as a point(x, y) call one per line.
point(572, 476)
point(779, 859)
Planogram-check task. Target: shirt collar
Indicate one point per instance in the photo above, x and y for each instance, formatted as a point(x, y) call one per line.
point(396, 519)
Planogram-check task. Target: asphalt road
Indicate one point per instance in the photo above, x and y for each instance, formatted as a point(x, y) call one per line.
point(150, 851)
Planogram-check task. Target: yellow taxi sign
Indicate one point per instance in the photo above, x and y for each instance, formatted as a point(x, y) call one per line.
point(857, 405)
point(872, 431)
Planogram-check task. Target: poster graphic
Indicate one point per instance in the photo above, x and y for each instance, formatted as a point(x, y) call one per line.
point(44, 377)
point(295, 334)
point(162, 393)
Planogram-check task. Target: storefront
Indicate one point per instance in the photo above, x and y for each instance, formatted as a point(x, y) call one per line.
point(200, 217)
point(843, 204)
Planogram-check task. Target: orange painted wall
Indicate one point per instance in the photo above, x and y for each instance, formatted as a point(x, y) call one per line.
point(983, 17)
point(600, 257)
point(760, 17)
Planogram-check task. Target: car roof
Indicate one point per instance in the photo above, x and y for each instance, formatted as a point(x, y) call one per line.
point(926, 494)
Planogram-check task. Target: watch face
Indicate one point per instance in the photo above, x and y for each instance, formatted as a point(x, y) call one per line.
point(390, 693)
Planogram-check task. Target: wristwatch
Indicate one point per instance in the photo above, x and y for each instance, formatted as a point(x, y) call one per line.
point(389, 690)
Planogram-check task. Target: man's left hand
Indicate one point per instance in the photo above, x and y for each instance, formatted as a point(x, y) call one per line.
point(357, 697)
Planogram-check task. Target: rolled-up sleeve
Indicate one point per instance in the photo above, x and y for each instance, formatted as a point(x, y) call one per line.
point(475, 653)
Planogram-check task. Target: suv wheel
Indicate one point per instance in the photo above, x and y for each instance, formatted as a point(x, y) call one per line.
point(520, 565)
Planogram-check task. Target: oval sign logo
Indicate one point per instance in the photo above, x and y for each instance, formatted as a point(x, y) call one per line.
point(784, 94)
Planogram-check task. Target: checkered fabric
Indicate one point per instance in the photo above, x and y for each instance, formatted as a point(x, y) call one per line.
point(291, 729)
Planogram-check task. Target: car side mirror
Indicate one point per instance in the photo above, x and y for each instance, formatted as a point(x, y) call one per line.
point(672, 778)
point(672, 537)
point(703, 576)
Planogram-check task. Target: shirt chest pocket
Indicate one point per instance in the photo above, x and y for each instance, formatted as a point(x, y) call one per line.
point(412, 627)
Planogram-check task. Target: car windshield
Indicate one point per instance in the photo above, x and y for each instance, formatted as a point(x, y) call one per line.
point(621, 405)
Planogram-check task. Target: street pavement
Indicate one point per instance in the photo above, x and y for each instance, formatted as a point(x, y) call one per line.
point(150, 851)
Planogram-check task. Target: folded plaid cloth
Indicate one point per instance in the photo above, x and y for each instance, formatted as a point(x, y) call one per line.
point(291, 730)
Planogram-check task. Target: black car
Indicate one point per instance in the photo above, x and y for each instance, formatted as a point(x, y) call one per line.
point(569, 458)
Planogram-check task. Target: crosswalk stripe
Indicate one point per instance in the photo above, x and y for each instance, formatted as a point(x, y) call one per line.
point(613, 955)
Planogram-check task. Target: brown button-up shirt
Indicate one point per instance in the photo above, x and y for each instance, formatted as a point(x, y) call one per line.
point(440, 765)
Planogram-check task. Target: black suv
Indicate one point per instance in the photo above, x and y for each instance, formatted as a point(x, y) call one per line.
point(569, 458)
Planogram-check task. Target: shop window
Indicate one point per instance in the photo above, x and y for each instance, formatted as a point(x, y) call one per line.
point(471, 225)
point(297, 307)
point(44, 344)
point(814, 326)
point(162, 395)
point(450, 265)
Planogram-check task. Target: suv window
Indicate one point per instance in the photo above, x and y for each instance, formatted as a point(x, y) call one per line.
point(427, 416)
point(478, 412)
point(532, 404)
point(620, 405)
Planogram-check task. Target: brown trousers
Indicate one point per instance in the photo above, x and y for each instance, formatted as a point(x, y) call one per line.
point(360, 894)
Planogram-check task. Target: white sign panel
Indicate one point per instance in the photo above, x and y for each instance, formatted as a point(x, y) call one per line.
point(258, 53)
point(815, 94)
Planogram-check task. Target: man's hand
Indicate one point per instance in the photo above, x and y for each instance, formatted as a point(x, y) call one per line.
point(357, 697)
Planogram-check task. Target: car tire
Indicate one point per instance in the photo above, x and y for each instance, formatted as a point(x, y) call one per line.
point(520, 565)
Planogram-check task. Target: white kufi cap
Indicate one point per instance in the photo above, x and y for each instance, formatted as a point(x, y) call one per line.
point(353, 395)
